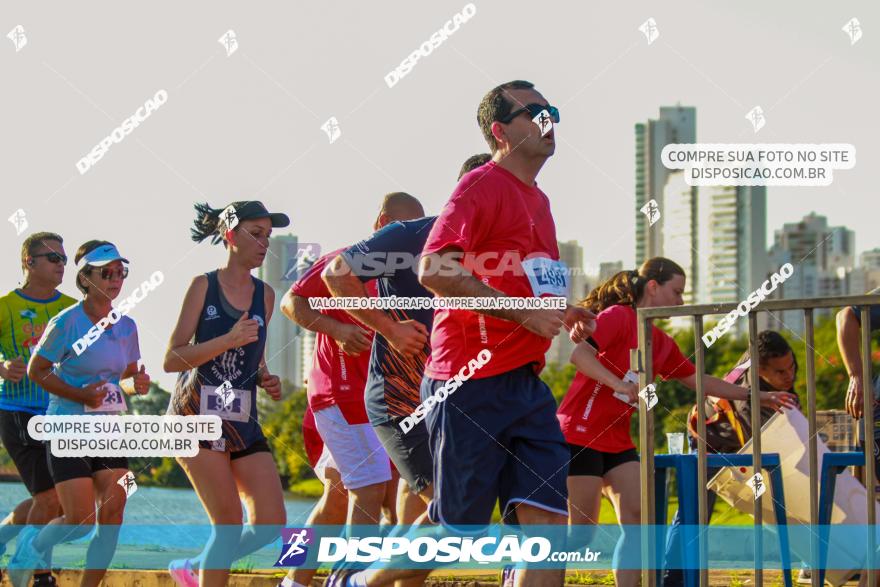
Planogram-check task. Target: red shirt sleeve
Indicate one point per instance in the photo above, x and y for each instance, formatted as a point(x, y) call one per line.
point(613, 327)
point(311, 285)
point(669, 363)
point(462, 222)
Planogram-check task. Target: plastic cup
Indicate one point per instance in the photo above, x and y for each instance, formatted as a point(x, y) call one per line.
point(675, 443)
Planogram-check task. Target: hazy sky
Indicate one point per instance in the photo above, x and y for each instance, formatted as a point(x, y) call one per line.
point(247, 126)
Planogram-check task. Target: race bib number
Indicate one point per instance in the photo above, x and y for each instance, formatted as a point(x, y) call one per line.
point(230, 404)
point(546, 276)
point(113, 401)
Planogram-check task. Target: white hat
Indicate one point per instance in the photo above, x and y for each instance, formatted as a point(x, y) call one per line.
point(100, 256)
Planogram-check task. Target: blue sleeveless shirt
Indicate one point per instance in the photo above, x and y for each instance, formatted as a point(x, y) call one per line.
point(196, 391)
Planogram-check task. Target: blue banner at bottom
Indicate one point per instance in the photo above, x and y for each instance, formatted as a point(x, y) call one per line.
point(600, 547)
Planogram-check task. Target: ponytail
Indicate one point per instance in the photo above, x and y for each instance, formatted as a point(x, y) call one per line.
point(628, 287)
point(207, 224)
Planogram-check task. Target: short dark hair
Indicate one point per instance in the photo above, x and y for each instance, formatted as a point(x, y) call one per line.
point(401, 205)
point(473, 162)
point(772, 345)
point(494, 107)
point(30, 244)
point(83, 250)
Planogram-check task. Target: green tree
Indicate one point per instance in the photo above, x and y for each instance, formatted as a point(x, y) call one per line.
point(158, 471)
point(283, 429)
point(558, 378)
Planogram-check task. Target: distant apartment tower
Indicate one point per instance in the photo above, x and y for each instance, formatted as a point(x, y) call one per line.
point(733, 242)
point(869, 261)
point(283, 346)
point(572, 254)
point(680, 234)
point(676, 124)
point(813, 241)
point(608, 269)
point(823, 258)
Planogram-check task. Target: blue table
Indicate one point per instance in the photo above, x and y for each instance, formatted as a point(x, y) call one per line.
point(833, 464)
point(686, 475)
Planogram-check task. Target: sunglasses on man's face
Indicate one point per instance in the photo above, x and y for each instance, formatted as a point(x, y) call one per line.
point(107, 273)
point(533, 110)
point(52, 257)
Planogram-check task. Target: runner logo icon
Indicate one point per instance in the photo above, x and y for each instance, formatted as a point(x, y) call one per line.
point(294, 546)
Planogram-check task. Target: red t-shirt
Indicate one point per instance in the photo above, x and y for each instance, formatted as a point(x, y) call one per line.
point(313, 442)
point(335, 378)
point(590, 415)
point(491, 213)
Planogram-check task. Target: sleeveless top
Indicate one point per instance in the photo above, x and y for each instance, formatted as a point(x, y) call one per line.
point(196, 393)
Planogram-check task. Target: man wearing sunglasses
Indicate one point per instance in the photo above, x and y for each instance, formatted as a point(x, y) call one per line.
point(497, 439)
point(507, 447)
point(24, 313)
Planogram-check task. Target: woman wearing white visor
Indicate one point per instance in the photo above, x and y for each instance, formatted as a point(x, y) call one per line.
point(83, 372)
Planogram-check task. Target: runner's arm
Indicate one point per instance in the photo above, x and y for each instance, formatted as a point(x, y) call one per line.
point(719, 388)
point(181, 354)
point(445, 276)
point(269, 304)
point(298, 310)
point(584, 358)
point(40, 372)
point(15, 371)
point(342, 282)
point(130, 370)
point(848, 332)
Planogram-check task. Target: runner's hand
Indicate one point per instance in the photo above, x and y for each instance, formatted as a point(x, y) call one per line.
point(93, 395)
point(244, 332)
point(272, 385)
point(352, 339)
point(141, 381)
point(854, 398)
point(408, 337)
point(15, 370)
point(546, 323)
point(778, 400)
point(631, 390)
point(580, 323)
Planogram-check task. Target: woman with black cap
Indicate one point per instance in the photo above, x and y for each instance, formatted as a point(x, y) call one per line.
point(217, 347)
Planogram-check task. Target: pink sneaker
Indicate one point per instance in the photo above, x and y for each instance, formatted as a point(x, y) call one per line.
point(182, 572)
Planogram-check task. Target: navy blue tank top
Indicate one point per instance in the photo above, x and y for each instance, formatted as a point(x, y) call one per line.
point(238, 368)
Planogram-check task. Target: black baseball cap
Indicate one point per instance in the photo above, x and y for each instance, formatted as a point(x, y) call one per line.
point(252, 209)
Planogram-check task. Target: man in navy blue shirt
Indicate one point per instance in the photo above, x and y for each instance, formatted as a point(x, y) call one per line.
point(400, 348)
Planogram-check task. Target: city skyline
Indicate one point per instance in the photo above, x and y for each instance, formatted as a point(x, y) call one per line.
point(251, 124)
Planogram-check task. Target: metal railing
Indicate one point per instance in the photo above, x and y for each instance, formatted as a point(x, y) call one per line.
point(641, 362)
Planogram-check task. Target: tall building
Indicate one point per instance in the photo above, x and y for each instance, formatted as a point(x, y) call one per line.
point(572, 254)
point(676, 124)
point(813, 241)
point(680, 234)
point(869, 261)
point(733, 242)
point(608, 269)
point(283, 344)
point(823, 258)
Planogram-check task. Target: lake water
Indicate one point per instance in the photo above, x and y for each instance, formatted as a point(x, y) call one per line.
point(161, 505)
point(171, 518)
